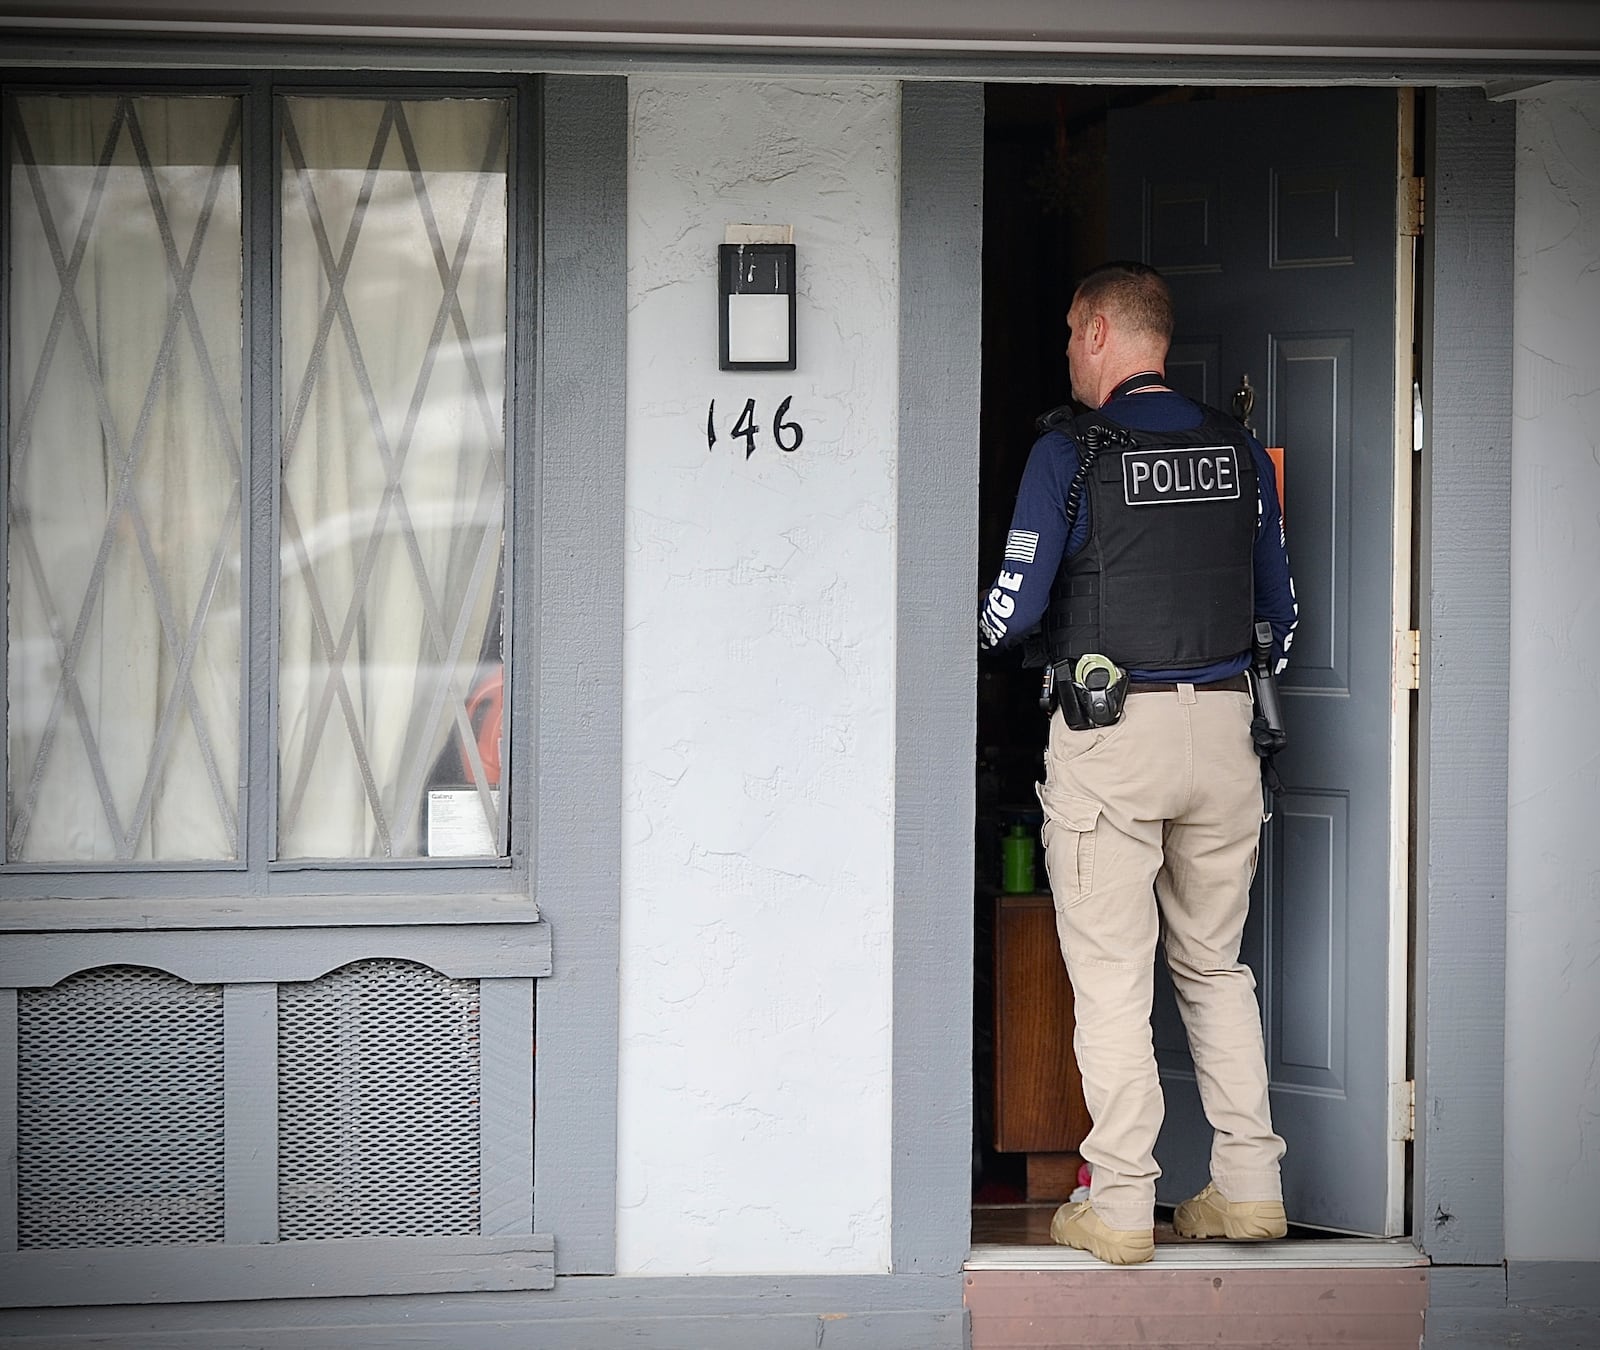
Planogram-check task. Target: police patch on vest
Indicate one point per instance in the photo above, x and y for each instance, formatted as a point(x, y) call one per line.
point(1197, 473)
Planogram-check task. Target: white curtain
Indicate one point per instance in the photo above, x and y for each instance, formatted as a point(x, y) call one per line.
point(393, 478)
point(123, 737)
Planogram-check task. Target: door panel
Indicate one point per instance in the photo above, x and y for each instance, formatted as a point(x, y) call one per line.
point(1195, 368)
point(1308, 943)
point(1310, 410)
point(1273, 218)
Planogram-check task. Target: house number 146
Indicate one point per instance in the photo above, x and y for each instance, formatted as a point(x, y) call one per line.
point(787, 434)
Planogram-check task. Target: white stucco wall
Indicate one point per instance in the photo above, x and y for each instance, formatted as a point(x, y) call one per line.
point(1553, 891)
point(757, 707)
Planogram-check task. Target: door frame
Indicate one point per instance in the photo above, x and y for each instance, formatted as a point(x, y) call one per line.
point(1402, 678)
point(1396, 978)
point(1446, 977)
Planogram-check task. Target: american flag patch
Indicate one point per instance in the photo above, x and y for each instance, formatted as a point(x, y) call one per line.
point(1020, 546)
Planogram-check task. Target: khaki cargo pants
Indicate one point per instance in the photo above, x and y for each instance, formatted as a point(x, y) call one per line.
point(1164, 808)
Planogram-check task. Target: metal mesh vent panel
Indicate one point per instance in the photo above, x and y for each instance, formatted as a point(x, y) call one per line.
point(378, 1132)
point(120, 1111)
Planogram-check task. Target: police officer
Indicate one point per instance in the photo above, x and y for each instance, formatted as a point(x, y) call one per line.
point(1148, 539)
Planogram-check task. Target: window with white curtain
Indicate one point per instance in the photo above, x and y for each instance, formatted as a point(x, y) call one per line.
point(134, 412)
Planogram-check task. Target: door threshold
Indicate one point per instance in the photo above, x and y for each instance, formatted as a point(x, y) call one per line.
point(1307, 1254)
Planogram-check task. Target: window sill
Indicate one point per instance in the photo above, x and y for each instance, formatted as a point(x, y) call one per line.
point(206, 1272)
point(216, 956)
point(142, 913)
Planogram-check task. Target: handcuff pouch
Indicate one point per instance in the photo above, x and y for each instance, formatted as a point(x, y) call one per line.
point(1085, 708)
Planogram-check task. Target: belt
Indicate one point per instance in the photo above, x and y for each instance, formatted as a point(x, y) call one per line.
point(1235, 684)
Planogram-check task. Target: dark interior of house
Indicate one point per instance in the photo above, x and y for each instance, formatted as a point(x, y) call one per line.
point(1044, 225)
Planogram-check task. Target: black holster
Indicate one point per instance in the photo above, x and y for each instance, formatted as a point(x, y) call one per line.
point(1083, 708)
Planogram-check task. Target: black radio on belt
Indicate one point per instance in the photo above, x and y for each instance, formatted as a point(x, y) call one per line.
point(1266, 728)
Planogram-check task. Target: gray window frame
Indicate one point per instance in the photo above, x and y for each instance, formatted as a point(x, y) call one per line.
point(500, 921)
point(256, 873)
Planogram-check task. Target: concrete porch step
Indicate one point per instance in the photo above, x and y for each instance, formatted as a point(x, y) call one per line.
point(1306, 1295)
point(1212, 1255)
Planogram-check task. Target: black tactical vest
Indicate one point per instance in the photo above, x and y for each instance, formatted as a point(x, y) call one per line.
point(1166, 580)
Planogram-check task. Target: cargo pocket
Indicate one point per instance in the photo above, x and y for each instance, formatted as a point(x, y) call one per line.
point(1069, 843)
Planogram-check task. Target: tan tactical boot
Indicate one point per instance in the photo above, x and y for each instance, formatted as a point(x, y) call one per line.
point(1079, 1226)
point(1211, 1214)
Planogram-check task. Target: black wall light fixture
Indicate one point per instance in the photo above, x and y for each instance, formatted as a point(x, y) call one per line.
point(755, 298)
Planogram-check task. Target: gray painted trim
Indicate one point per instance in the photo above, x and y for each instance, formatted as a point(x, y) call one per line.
point(5, 463)
point(468, 952)
point(212, 1273)
point(505, 1110)
point(165, 911)
point(1416, 64)
point(941, 252)
point(692, 1329)
point(262, 470)
point(250, 1101)
point(846, 1312)
point(1481, 1308)
point(522, 553)
point(1553, 1284)
point(317, 887)
point(1508, 1327)
point(1463, 710)
point(8, 1120)
point(1166, 27)
point(582, 380)
point(1467, 1287)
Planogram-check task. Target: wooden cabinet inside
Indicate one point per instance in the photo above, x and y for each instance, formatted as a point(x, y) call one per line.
point(1038, 1093)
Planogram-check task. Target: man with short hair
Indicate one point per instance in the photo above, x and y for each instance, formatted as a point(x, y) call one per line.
point(1148, 539)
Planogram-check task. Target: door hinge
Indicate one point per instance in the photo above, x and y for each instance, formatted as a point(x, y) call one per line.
point(1414, 200)
point(1404, 1097)
point(1408, 658)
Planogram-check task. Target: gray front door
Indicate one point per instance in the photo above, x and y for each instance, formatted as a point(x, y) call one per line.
point(1273, 216)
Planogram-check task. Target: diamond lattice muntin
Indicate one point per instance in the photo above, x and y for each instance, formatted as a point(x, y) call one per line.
point(393, 460)
point(125, 470)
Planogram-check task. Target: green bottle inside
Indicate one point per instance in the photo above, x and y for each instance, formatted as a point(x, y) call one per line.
point(1016, 860)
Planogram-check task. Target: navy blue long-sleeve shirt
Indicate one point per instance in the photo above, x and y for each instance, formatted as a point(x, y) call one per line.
point(1038, 540)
